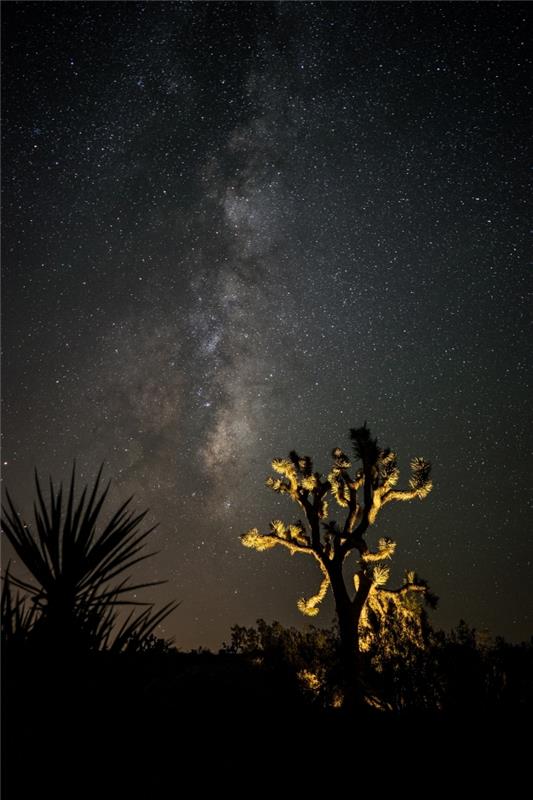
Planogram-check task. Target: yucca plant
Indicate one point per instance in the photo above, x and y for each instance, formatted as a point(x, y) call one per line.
point(78, 572)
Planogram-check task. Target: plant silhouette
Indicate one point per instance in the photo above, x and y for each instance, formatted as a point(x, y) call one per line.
point(17, 620)
point(77, 578)
point(361, 495)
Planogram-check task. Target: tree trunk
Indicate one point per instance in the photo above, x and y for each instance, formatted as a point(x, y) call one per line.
point(349, 638)
point(349, 614)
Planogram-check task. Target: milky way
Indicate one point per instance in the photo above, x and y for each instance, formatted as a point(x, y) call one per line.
point(231, 230)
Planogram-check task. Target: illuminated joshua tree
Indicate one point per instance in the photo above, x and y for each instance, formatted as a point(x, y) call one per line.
point(361, 494)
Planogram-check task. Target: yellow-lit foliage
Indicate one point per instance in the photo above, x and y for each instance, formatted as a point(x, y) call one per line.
point(420, 482)
point(389, 616)
point(339, 489)
point(309, 483)
point(278, 485)
point(310, 607)
point(380, 575)
point(310, 680)
point(386, 549)
point(257, 541)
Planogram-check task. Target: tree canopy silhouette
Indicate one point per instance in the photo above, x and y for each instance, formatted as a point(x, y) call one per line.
point(76, 573)
point(361, 495)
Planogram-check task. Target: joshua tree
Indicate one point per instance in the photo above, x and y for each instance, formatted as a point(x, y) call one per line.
point(361, 495)
point(77, 574)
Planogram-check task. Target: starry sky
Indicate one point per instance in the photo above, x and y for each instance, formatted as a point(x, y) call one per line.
point(235, 229)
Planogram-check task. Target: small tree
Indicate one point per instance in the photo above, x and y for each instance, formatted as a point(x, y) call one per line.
point(361, 495)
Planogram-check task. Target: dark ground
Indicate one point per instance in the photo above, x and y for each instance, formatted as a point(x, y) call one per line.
point(149, 724)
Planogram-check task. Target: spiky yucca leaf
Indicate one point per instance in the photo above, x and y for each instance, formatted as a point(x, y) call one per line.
point(102, 628)
point(138, 628)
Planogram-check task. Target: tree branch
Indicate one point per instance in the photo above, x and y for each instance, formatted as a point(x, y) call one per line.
point(402, 495)
point(314, 523)
point(386, 549)
point(310, 607)
point(293, 538)
point(403, 590)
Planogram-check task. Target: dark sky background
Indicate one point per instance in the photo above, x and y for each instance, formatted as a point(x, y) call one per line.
point(231, 230)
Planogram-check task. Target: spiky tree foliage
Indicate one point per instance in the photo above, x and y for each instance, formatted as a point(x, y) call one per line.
point(77, 569)
point(361, 494)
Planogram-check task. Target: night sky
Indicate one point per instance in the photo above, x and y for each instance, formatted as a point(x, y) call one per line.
point(231, 230)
